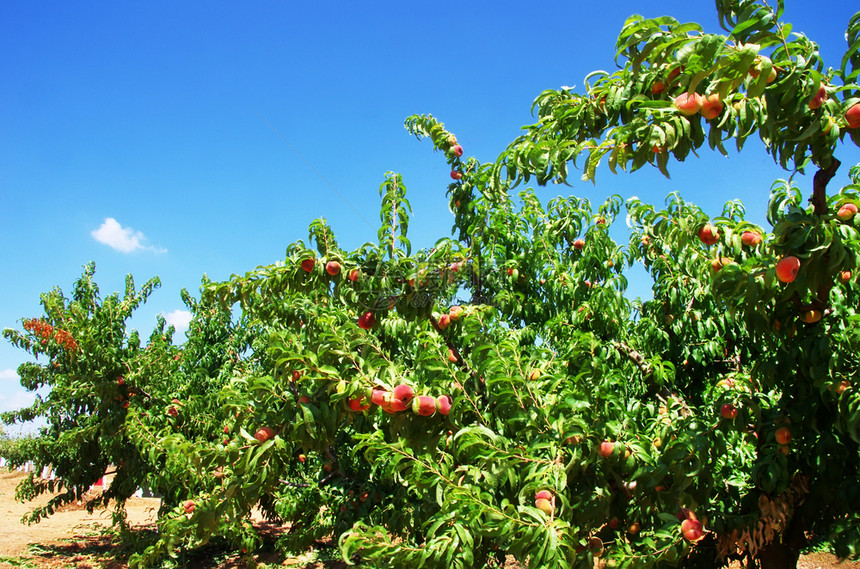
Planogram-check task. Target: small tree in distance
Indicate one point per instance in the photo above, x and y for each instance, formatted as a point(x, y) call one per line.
point(498, 394)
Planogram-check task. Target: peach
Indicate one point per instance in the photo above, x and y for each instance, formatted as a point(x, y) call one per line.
point(443, 321)
point(750, 238)
point(443, 404)
point(728, 411)
point(787, 268)
point(366, 320)
point(846, 211)
point(332, 268)
point(688, 104)
point(424, 405)
point(852, 116)
point(709, 234)
point(818, 99)
point(264, 434)
point(606, 449)
point(712, 106)
point(692, 529)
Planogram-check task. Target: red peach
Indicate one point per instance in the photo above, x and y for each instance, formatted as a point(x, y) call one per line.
point(332, 268)
point(852, 116)
point(787, 268)
point(366, 320)
point(750, 238)
point(709, 234)
point(443, 404)
point(688, 104)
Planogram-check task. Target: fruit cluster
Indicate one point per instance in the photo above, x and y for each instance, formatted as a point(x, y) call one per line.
point(46, 332)
point(400, 399)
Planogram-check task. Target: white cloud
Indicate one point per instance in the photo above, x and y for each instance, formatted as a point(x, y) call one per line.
point(122, 239)
point(8, 375)
point(16, 400)
point(179, 319)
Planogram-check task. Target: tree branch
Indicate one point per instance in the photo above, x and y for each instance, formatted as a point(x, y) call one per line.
point(819, 187)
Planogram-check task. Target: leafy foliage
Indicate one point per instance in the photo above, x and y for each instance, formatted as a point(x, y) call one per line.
point(499, 393)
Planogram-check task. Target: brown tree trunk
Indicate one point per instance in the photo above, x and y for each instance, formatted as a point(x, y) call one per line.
point(819, 187)
point(783, 554)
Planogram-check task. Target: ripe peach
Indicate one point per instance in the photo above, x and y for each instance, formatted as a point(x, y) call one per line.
point(606, 449)
point(692, 529)
point(728, 411)
point(579, 244)
point(380, 397)
point(718, 264)
point(308, 265)
point(852, 116)
point(688, 104)
point(424, 405)
point(443, 404)
point(633, 528)
point(709, 234)
point(755, 71)
point(786, 269)
point(452, 357)
point(358, 404)
point(545, 506)
point(402, 396)
point(846, 211)
point(366, 320)
point(455, 312)
point(264, 434)
point(543, 494)
point(818, 99)
point(811, 316)
point(188, 506)
point(456, 175)
point(712, 106)
point(750, 238)
point(353, 275)
point(332, 268)
point(457, 150)
point(443, 321)
point(783, 435)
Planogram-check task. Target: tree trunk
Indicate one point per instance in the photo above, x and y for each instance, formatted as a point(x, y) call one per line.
point(819, 187)
point(784, 554)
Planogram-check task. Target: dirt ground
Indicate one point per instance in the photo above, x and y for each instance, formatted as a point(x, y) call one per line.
point(72, 538)
point(69, 528)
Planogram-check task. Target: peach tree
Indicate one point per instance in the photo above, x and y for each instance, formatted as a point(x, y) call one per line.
point(499, 394)
point(103, 394)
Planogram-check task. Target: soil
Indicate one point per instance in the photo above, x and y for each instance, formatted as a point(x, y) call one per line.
point(74, 538)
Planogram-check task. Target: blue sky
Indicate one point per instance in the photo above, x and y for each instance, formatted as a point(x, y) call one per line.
point(142, 136)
